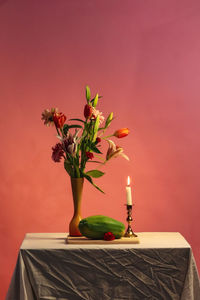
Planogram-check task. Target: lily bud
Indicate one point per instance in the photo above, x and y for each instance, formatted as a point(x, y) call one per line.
point(88, 94)
point(109, 119)
point(88, 111)
point(120, 133)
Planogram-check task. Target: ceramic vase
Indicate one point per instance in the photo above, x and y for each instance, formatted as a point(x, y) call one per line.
point(77, 189)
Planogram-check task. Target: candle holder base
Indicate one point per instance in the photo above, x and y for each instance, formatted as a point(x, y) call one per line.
point(129, 232)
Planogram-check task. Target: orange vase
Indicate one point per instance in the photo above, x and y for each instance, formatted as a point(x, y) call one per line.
point(77, 188)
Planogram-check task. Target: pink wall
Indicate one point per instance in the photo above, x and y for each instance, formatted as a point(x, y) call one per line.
point(143, 57)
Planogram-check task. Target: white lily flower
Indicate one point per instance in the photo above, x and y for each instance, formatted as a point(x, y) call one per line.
point(115, 151)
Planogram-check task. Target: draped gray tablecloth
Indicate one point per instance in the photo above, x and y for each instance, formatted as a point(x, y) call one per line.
point(161, 266)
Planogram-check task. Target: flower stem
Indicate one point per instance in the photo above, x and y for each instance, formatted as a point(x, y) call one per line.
point(58, 131)
point(76, 168)
point(106, 137)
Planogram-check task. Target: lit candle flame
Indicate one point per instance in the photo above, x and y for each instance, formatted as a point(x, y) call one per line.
point(128, 180)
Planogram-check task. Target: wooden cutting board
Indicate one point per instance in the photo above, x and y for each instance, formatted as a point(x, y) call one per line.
point(84, 240)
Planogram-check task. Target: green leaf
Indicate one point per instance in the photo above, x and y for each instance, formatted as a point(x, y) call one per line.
point(96, 100)
point(95, 149)
point(90, 180)
point(98, 188)
point(65, 129)
point(92, 100)
point(88, 94)
point(77, 120)
point(101, 128)
point(68, 168)
point(75, 126)
point(94, 161)
point(95, 173)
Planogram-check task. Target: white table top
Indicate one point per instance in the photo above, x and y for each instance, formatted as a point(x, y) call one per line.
point(147, 240)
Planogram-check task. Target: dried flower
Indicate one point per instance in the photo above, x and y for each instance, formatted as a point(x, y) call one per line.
point(109, 236)
point(114, 151)
point(59, 119)
point(47, 116)
point(120, 133)
point(57, 153)
point(89, 155)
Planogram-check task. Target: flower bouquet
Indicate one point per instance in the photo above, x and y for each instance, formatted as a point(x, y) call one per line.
point(80, 140)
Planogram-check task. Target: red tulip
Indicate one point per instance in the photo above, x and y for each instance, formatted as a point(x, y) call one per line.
point(88, 111)
point(120, 133)
point(59, 119)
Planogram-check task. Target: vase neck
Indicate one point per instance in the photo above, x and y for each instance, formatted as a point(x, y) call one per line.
point(77, 189)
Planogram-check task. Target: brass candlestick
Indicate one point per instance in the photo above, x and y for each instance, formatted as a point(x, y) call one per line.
point(129, 232)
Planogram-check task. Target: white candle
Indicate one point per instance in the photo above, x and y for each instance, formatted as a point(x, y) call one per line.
point(128, 192)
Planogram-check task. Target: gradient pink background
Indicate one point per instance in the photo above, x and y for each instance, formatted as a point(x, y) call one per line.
point(143, 57)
